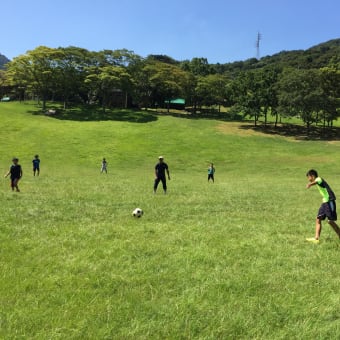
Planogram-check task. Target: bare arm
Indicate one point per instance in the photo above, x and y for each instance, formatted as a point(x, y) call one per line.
point(9, 171)
point(310, 184)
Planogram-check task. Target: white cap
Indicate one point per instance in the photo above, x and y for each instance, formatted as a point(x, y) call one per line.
point(160, 157)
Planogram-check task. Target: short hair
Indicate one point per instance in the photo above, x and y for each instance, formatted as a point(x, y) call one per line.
point(312, 172)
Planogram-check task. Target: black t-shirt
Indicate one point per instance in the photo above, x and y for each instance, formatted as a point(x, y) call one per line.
point(36, 163)
point(160, 169)
point(15, 171)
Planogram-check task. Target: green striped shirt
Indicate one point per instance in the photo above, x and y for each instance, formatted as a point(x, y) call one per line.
point(325, 190)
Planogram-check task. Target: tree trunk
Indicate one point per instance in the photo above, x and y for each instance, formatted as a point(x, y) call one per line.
point(276, 118)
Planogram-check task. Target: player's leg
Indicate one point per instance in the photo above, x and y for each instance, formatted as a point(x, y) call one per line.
point(322, 213)
point(332, 216)
point(15, 183)
point(335, 227)
point(318, 228)
point(164, 184)
point(156, 184)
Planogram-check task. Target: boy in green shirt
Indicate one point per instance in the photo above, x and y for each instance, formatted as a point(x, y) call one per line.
point(327, 208)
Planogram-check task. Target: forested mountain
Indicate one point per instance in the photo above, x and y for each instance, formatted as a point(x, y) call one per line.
point(3, 60)
point(315, 57)
point(318, 56)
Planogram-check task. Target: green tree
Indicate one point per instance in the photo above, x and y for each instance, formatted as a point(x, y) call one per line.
point(255, 93)
point(106, 81)
point(211, 90)
point(301, 95)
point(161, 58)
point(70, 72)
point(198, 66)
point(267, 79)
point(131, 63)
point(330, 84)
point(3, 83)
point(36, 70)
point(162, 82)
point(245, 90)
point(120, 57)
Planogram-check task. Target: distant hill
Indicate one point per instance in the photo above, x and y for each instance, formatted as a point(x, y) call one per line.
point(3, 60)
point(315, 57)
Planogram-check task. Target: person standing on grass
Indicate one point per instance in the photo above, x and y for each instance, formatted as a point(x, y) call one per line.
point(36, 165)
point(104, 166)
point(211, 172)
point(327, 208)
point(160, 168)
point(16, 173)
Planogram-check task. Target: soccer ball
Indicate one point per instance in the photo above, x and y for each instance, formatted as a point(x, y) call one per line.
point(138, 212)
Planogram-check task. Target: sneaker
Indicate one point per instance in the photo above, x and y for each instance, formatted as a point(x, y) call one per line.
point(312, 239)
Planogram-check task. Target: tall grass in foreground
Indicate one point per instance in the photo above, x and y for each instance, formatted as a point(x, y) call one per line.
point(206, 261)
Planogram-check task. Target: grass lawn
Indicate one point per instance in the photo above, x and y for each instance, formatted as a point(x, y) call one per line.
point(226, 260)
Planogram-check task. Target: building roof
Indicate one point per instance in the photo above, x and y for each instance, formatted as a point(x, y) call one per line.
point(180, 101)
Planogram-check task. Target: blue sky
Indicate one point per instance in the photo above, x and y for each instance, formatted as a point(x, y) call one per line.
point(220, 30)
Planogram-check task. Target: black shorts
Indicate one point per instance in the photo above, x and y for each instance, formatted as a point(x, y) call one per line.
point(14, 181)
point(328, 210)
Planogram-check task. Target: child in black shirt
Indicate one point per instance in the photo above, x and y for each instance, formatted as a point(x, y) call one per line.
point(16, 173)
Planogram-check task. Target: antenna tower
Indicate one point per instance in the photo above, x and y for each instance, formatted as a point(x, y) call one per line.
point(259, 37)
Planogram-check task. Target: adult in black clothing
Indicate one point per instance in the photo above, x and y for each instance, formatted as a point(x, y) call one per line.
point(160, 169)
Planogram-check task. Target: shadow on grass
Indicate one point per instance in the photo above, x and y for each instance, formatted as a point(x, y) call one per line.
point(95, 113)
point(298, 132)
point(92, 113)
point(226, 117)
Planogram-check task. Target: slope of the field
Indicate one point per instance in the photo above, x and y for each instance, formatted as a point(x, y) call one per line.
point(226, 260)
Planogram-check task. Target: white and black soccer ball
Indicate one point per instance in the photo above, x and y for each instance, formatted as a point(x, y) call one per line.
point(138, 212)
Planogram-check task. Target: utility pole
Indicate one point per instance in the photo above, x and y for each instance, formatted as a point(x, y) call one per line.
point(259, 37)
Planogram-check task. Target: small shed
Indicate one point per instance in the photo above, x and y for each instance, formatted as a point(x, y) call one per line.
point(176, 103)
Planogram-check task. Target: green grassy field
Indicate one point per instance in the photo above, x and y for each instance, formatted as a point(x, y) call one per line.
point(226, 260)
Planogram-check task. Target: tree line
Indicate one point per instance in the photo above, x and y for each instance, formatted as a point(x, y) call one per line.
point(121, 78)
